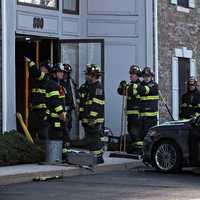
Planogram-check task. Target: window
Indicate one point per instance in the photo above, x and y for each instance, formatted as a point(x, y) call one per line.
point(52, 4)
point(183, 3)
point(71, 6)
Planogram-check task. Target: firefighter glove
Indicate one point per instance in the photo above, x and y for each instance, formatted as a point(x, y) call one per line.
point(123, 84)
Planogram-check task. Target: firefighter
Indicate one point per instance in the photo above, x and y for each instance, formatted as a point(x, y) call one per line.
point(59, 71)
point(38, 124)
point(92, 109)
point(149, 96)
point(190, 100)
point(53, 102)
point(133, 103)
point(71, 94)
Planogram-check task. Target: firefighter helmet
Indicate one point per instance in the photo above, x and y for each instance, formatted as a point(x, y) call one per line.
point(192, 81)
point(93, 69)
point(68, 68)
point(147, 71)
point(58, 67)
point(135, 69)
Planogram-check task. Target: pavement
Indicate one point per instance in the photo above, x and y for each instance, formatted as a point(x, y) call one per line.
point(26, 172)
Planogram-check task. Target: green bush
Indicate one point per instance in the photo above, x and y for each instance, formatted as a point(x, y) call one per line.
point(16, 149)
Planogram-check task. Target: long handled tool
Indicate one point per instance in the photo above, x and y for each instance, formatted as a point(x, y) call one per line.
point(163, 100)
point(23, 125)
point(123, 141)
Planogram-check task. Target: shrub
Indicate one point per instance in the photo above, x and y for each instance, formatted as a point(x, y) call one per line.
point(16, 149)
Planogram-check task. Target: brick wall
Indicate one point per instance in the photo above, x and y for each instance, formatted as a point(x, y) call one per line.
point(175, 30)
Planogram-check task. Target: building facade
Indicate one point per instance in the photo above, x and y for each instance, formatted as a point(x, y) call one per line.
point(178, 50)
point(112, 33)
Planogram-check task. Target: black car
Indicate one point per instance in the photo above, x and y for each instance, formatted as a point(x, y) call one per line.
point(173, 145)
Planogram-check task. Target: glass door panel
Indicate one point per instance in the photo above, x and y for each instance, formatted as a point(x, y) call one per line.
point(78, 53)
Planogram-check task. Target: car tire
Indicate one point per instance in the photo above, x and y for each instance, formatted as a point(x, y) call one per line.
point(167, 157)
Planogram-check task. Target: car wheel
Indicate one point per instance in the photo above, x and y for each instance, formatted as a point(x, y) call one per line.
point(167, 157)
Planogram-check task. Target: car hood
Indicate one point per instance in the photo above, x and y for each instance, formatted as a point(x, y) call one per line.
point(179, 124)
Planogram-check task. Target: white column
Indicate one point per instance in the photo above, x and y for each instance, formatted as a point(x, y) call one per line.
point(8, 65)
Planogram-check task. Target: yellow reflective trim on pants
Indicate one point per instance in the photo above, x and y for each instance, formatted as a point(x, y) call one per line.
point(54, 115)
point(146, 98)
point(97, 152)
point(31, 64)
point(82, 95)
point(57, 124)
point(37, 90)
point(41, 76)
point(139, 143)
point(99, 120)
point(89, 102)
point(59, 108)
point(133, 112)
point(81, 109)
point(53, 93)
point(93, 114)
point(98, 101)
point(148, 114)
point(40, 106)
point(147, 89)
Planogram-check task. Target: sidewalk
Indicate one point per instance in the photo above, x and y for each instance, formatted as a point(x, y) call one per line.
point(25, 173)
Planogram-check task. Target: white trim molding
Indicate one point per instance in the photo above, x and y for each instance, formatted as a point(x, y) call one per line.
point(179, 53)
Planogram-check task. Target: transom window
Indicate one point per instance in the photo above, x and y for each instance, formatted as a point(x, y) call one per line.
point(53, 4)
point(183, 3)
point(71, 6)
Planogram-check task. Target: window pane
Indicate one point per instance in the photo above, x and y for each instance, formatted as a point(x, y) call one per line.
point(184, 3)
point(42, 3)
point(70, 5)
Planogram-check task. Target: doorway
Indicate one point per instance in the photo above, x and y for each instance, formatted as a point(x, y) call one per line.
point(38, 49)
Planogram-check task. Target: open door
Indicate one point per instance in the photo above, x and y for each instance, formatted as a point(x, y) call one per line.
point(38, 49)
point(78, 53)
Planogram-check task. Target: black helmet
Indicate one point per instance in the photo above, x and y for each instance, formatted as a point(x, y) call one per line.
point(93, 69)
point(135, 69)
point(147, 71)
point(68, 68)
point(192, 81)
point(58, 67)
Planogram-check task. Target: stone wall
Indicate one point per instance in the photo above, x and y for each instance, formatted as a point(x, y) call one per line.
point(175, 30)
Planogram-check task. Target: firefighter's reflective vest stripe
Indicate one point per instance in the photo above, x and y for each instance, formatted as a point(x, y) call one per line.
point(148, 114)
point(98, 101)
point(54, 115)
point(133, 112)
point(99, 120)
point(39, 106)
point(58, 109)
point(52, 93)
point(147, 98)
point(57, 124)
point(41, 77)
point(38, 90)
point(93, 114)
